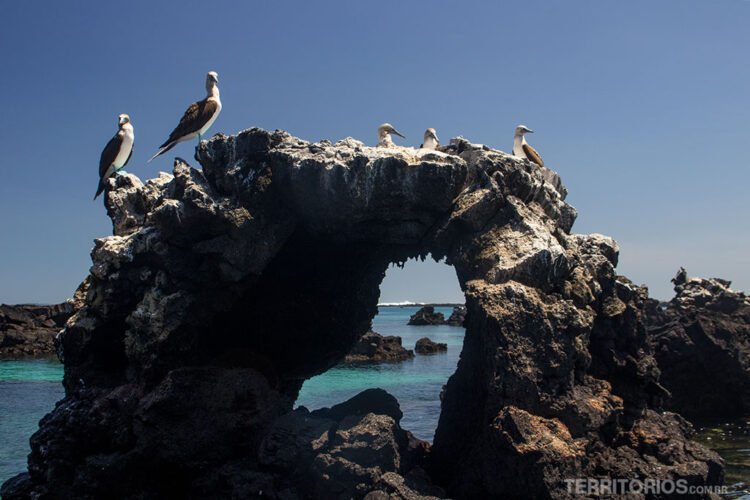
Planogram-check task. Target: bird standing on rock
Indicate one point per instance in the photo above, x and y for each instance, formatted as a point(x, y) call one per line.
point(431, 140)
point(384, 135)
point(522, 149)
point(197, 119)
point(116, 153)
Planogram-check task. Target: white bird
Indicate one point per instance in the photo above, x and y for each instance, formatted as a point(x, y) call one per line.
point(431, 140)
point(116, 153)
point(198, 118)
point(384, 135)
point(522, 149)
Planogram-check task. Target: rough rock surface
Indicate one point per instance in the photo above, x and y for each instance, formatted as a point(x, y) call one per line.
point(344, 452)
point(182, 362)
point(427, 316)
point(375, 348)
point(427, 346)
point(29, 330)
point(701, 341)
point(457, 317)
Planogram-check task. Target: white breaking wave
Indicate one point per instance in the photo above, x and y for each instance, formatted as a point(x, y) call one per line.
point(400, 304)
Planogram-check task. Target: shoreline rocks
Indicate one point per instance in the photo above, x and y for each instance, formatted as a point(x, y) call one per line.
point(375, 348)
point(29, 331)
point(701, 342)
point(427, 346)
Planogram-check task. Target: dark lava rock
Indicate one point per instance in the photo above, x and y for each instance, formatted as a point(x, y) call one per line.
point(223, 288)
point(701, 341)
point(28, 331)
point(427, 316)
point(375, 348)
point(353, 449)
point(427, 346)
point(457, 317)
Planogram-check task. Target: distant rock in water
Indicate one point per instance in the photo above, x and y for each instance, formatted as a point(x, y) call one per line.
point(28, 331)
point(375, 348)
point(224, 288)
point(427, 346)
point(457, 317)
point(427, 316)
point(701, 341)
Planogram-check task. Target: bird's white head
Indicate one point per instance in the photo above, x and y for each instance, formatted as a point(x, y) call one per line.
point(212, 80)
point(123, 119)
point(387, 129)
point(523, 129)
point(431, 133)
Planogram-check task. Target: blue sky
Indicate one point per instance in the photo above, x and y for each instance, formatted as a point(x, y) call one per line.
point(642, 106)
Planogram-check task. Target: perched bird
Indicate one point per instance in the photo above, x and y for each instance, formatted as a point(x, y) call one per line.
point(197, 119)
point(384, 135)
point(522, 149)
point(116, 153)
point(431, 140)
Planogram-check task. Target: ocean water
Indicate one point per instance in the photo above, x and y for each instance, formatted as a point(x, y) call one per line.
point(416, 383)
point(29, 390)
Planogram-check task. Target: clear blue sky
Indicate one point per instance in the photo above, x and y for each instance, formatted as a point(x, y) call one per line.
point(642, 106)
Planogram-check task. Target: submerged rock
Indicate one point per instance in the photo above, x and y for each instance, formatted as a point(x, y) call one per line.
point(29, 331)
point(701, 341)
point(427, 346)
point(223, 288)
point(427, 316)
point(375, 348)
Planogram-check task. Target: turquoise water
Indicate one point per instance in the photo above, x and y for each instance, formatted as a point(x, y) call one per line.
point(416, 383)
point(29, 390)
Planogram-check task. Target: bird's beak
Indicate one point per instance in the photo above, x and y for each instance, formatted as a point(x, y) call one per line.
point(529, 131)
point(436, 137)
point(398, 133)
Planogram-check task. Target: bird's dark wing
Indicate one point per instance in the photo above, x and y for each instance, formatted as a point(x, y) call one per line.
point(109, 154)
point(532, 155)
point(194, 118)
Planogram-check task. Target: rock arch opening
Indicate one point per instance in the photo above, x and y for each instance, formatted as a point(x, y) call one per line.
point(387, 355)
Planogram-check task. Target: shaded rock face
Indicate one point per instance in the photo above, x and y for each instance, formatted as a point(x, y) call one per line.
point(427, 316)
point(224, 288)
point(345, 451)
point(701, 341)
point(427, 346)
point(29, 330)
point(375, 348)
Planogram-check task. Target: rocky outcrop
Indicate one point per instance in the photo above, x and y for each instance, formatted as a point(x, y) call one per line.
point(427, 346)
point(457, 317)
point(426, 316)
point(701, 341)
point(375, 348)
point(347, 451)
point(224, 288)
point(28, 331)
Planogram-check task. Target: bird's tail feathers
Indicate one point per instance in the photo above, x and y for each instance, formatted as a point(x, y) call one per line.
point(163, 150)
point(99, 190)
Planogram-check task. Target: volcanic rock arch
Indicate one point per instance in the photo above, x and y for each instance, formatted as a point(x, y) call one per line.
point(223, 289)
